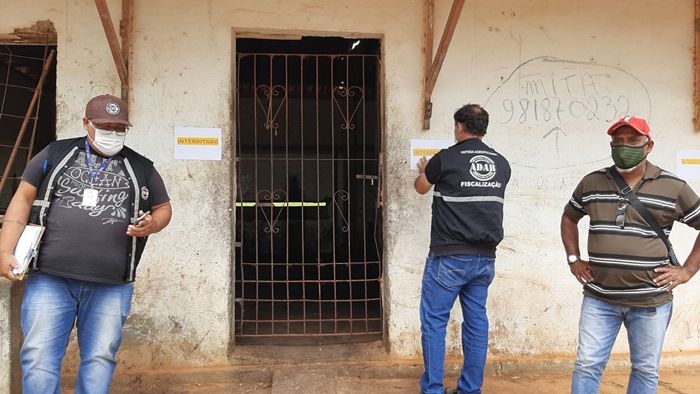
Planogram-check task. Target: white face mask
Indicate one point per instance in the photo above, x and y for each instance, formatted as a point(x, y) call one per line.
point(109, 144)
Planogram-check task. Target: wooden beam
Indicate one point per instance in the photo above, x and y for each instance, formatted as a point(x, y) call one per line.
point(430, 34)
point(125, 33)
point(696, 69)
point(112, 39)
point(429, 38)
point(447, 34)
point(431, 79)
point(23, 128)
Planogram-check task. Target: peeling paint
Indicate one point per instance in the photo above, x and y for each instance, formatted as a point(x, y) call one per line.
point(41, 32)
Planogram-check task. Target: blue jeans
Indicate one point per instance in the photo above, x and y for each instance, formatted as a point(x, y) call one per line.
point(50, 307)
point(599, 325)
point(444, 279)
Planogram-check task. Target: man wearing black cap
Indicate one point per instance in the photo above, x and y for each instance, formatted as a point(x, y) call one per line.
point(627, 278)
point(93, 195)
point(469, 183)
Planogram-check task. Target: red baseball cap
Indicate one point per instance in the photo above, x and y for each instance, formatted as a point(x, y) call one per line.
point(107, 109)
point(638, 124)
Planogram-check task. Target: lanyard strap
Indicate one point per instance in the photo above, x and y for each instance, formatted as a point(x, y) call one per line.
point(94, 174)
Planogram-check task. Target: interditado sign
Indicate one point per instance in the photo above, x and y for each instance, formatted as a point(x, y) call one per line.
point(200, 141)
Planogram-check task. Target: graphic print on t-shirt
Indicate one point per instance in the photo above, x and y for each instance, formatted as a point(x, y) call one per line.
point(111, 184)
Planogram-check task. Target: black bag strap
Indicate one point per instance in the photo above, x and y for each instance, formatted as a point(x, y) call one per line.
point(628, 193)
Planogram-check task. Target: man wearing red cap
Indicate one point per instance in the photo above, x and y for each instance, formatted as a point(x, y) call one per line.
point(627, 278)
point(93, 195)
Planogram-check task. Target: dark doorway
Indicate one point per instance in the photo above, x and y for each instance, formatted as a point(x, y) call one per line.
point(20, 71)
point(308, 223)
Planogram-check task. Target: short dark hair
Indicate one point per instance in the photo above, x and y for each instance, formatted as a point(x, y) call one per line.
point(473, 118)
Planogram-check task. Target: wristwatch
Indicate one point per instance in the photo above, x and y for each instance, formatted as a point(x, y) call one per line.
point(573, 258)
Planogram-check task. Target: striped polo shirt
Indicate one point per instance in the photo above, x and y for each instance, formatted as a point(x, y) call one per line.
point(624, 258)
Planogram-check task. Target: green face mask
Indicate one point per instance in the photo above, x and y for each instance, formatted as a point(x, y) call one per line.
point(626, 156)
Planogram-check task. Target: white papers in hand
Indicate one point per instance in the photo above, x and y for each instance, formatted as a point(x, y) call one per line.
point(27, 247)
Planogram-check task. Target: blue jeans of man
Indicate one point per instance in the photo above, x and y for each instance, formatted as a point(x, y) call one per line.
point(445, 278)
point(50, 308)
point(599, 325)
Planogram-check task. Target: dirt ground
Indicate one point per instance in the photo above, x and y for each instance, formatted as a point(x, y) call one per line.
point(365, 368)
point(671, 382)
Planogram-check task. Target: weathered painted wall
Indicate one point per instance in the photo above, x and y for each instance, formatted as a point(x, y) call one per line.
point(549, 117)
point(603, 55)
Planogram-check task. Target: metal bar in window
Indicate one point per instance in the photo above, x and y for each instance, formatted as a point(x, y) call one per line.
point(302, 88)
point(280, 204)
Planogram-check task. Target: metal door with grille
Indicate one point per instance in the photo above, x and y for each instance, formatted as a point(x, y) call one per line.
point(308, 225)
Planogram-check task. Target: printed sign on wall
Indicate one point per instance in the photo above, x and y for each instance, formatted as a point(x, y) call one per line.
point(427, 148)
point(688, 164)
point(197, 143)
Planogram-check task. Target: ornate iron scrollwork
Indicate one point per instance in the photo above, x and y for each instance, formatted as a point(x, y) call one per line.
point(269, 93)
point(268, 198)
point(351, 93)
point(341, 195)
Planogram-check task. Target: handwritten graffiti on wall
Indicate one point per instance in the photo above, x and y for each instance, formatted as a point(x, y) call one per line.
point(564, 103)
point(543, 104)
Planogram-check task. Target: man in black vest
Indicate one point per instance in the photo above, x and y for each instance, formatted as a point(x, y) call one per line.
point(470, 180)
point(93, 195)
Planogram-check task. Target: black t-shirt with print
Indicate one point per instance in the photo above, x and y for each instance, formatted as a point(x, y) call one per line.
point(89, 243)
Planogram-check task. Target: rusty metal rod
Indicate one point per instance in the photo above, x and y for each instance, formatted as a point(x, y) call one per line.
point(16, 116)
point(12, 146)
point(36, 120)
point(34, 126)
point(35, 98)
point(8, 85)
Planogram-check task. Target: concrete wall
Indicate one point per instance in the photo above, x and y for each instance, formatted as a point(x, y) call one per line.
point(622, 57)
point(605, 60)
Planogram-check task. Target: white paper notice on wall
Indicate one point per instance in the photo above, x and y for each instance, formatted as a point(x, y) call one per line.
point(688, 164)
point(197, 143)
point(427, 148)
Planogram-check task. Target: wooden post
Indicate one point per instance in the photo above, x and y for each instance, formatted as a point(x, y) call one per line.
point(125, 33)
point(429, 37)
point(452, 19)
point(696, 69)
point(112, 39)
point(35, 98)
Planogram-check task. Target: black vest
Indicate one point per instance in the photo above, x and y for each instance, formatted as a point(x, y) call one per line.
point(468, 200)
point(63, 152)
